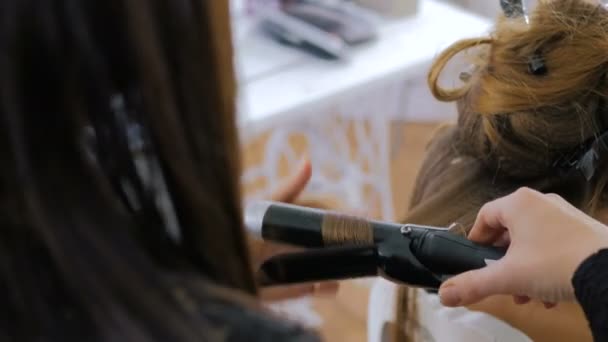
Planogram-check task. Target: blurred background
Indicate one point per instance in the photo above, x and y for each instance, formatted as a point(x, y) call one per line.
point(343, 82)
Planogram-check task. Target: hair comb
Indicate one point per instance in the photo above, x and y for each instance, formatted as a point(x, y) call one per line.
point(345, 247)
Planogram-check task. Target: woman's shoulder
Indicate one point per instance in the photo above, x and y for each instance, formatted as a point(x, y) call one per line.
point(237, 317)
point(242, 323)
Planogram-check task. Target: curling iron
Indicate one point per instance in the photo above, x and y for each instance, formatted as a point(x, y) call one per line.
point(346, 247)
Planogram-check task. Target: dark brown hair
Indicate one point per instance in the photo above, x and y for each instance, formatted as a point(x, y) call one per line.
point(86, 248)
point(513, 124)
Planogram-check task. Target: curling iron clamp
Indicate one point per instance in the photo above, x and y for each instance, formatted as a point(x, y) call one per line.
point(345, 247)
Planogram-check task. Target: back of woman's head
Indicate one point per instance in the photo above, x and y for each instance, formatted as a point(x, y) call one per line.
point(119, 169)
point(518, 125)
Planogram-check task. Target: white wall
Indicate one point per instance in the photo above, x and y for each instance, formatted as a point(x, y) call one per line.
point(487, 8)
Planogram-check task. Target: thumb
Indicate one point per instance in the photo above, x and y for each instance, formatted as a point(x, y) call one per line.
point(291, 188)
point(473, 286)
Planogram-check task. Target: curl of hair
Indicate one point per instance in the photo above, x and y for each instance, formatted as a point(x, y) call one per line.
point(518, 123)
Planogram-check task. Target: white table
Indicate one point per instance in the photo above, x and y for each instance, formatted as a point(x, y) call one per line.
point(333, 103)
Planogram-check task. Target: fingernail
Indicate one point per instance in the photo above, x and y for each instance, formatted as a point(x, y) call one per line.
point(449, 296)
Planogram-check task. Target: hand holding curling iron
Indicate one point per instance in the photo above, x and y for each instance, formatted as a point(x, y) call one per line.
point(547, 240)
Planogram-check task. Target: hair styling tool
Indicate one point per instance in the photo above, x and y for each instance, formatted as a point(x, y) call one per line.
point(342, 247)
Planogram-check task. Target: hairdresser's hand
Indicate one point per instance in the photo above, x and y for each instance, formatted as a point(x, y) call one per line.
point(548, 239)
point(288, 192)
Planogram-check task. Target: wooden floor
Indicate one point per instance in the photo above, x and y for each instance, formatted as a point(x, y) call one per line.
point(345, 316)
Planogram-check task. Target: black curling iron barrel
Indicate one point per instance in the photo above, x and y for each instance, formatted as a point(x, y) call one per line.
point(341, 247)
point(285, 223)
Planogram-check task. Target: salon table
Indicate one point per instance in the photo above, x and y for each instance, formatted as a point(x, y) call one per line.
point(341, 110)
point(339, 113)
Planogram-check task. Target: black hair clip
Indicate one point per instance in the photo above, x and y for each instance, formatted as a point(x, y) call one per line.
point(585, 158)
point(520, 8)
point(536, 65)
point(512, 8)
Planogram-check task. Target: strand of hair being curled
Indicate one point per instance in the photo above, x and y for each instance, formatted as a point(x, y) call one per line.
point(449, 95)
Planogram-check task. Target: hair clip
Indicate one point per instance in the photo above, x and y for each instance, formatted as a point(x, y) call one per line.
point(522, 8)
point(589, 162)
point(465, 76)
point(536, 65)
point(512, 8)
point(584, 158)
point(134, 169)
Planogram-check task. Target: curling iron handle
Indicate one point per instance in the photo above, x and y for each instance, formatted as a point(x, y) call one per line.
point(446, 253)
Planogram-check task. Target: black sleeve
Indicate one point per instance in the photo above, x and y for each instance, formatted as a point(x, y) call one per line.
point(590, 283)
